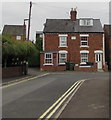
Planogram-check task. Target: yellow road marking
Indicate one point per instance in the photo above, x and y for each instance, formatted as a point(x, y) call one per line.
point(45, 113)
point(5, 86)
point(65, 104)
point(49, 116)
point(16, 80)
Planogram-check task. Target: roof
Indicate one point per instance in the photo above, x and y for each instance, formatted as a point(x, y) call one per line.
point(49, 52)
point(107, 28)
point(70, 26)
point(13, 29)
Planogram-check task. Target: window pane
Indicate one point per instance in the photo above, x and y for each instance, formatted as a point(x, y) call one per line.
point(83, 43)
point(83, 38)
point(63, 55)
point(48, 55)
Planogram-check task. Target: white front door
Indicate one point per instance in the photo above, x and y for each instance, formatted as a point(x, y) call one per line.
point(99, 61)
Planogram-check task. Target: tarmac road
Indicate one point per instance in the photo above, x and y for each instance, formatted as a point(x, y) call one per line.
point(32, 98)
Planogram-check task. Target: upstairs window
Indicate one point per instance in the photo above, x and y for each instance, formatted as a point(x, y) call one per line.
point(18, 37)
point(86, 22)
point(84, 40)
point(48, 58)
point(63, 40)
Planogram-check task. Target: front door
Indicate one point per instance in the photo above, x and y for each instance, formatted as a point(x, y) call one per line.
point(99, 61)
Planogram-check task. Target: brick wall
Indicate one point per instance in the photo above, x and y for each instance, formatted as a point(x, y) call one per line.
point(95, 42)
point(12, 72)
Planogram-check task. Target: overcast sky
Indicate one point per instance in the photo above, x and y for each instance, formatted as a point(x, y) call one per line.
point(15, 12)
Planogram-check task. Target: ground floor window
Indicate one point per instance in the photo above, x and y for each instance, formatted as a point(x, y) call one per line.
point(48, 58)
point(62, 58)
point(84, 57)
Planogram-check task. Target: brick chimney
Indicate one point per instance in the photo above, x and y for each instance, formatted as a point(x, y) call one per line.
point(73, 14)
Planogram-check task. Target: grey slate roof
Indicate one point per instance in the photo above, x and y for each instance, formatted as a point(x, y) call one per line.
point(69, 26)
point(13, 29)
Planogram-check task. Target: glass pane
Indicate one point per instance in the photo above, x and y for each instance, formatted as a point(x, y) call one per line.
point(83, 38)
point(62, 55)
point(48, 55)
point(63, 38)
point(83, 43)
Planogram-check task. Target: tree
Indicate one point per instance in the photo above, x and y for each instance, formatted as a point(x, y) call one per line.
point(39, 43)
point(16, 52)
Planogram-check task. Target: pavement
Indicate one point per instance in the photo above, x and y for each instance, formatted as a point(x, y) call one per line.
point(90, 101)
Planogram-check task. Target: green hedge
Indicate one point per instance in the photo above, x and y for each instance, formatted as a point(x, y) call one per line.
point(15, 52)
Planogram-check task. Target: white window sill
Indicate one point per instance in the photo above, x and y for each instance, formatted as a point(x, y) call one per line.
point(63, 46)
point(85, 46)
point(83, 63)
point(47, 64)
point(84, 66)
point(61, 63)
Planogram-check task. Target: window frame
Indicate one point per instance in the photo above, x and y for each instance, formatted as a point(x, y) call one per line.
point(84, 41)
point(62, 58)
point(18, 37)
point(84, 62)
point(64, 44)
point(45, 63)
point(86, 22)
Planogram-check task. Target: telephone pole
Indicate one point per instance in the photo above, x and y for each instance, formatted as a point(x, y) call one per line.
point(29, 20)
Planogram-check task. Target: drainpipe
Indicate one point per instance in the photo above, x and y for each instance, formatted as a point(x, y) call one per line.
point(43, 42)
point(103, 50)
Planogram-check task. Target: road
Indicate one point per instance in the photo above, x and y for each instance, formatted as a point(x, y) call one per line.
point(32, 98)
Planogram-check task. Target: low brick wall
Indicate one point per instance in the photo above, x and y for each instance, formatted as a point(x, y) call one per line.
point(53, 68)
point(12, 71)
point(86, 68)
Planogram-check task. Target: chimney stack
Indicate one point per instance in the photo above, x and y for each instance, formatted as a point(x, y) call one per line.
point(73, 14)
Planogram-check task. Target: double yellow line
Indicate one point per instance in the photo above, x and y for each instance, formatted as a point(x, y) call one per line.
point(49, 113)
point(22, 81)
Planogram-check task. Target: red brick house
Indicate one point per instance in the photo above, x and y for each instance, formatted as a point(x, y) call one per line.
point(18, 32)
point(107, 31)
point(80, 41)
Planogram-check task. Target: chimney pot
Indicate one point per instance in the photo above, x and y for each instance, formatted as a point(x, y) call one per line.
point(73, 14)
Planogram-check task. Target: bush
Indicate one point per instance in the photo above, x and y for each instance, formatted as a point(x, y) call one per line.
point(89, 63)
point(34, 60)
point(16, 52)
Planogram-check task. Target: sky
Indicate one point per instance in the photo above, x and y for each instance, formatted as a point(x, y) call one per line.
point(15, 12)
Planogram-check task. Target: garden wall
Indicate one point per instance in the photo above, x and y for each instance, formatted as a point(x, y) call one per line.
point(14, 71)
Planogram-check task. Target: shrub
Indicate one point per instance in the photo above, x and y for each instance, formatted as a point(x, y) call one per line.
point(16, 52)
